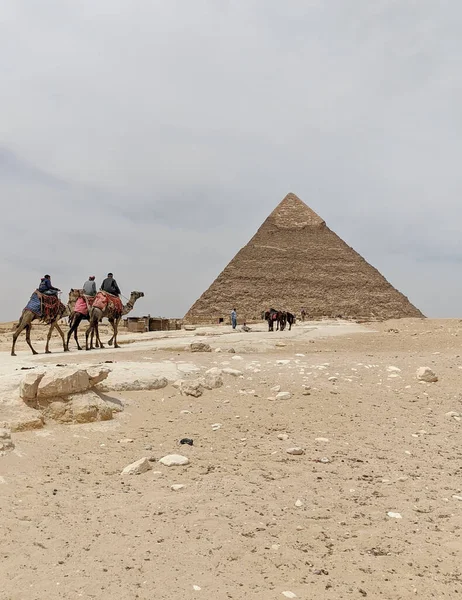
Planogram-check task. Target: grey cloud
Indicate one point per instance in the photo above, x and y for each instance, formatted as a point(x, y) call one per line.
point(153, 138)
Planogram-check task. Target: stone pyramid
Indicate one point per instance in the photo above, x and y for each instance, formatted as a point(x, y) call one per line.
point(293, 261)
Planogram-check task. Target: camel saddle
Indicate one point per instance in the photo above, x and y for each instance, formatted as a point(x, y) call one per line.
point(113, 304)
point(48, 308)
point(83, 304)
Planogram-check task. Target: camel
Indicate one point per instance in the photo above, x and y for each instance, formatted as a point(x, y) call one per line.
point(96, 314)
point(75, 318)
point(27, 317)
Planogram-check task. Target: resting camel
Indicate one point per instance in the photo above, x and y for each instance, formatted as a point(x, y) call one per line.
point(96, 314)
point(27, 317)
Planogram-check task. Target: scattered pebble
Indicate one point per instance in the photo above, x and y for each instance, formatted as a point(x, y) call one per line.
point(283, 437)
point(216, 426)
point(394, 515)
point(299, 503)
point(426, 374)
point(321, 439)
point(295, 451)
point(283, 396)
point(177, 486)
point(174, 460)
point(457, 497)
point(140, 466)
point(289, 594)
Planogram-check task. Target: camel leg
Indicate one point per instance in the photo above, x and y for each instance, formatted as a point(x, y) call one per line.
point(61, 333)
point(115, 326)
point(87, 334)
point(50, 331)
point(28, 329)
point(76, 320)
point(24, 323)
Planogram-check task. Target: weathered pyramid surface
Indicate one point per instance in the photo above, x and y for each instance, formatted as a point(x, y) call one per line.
point(293, 261)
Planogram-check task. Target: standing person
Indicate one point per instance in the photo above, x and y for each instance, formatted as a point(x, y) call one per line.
point(110, 286)
point(89, 287)
point(46, 288)
point(303, 313)
point(234, 318)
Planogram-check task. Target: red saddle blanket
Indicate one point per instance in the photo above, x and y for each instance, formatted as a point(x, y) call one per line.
point(104, 300)
point(83, 303)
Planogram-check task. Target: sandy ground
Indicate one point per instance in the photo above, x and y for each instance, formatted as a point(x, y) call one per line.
point(251, 521)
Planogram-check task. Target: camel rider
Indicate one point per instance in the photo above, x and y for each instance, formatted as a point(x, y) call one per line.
point(46, 288)
point(89, 287)
point(110, 286)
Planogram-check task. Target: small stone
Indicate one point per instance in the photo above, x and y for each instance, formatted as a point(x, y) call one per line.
point(295, 451)
point(321, 439)
point(457, 497)
point(276, 388)
point(216, 426)
point(283, 436)
point(196, 588)
point(176, 487)
point(200, 347)
point(237, 357)
point(452, 413)
point(5, 440)
point(281, 344)
point(298, 503)
point(289, 594)
point(282, 362)
point(333, 379)
point(126, 441)
point(191, 388)
point(426, 374)
point(283, 396)
point(394, 515)
point(174, 460)
point(232, 351)
point(138, 467)
point(233, 372)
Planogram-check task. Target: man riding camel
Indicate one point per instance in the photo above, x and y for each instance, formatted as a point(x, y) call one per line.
point(110, 286)
point(46, 288)
point(89, 287)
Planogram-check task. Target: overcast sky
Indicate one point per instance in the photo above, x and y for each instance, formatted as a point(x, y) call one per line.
point(152, 138)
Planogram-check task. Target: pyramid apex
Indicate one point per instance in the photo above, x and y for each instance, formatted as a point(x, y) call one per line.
point(293, 213)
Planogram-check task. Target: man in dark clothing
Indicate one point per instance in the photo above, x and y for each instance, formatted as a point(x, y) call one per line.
point(110, 286)
point(45, 287)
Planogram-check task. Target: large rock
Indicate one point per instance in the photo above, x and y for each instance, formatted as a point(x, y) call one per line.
point(426, 374)
point(200, 347)
point(79, 408)
point(66, 381)
point(137, 468)
point(211, 382)
point(29, 385)
point(97, 375)
point(191, 388)
point(6, 442)
point(150, 382)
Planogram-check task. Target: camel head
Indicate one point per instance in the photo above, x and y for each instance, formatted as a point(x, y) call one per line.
point(134, 296)
point(73, 295)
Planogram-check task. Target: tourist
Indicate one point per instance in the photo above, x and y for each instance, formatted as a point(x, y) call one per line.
point(89, 287)
point(234, 318)
point(303, 313)
point(46, 288)
point(110, 286)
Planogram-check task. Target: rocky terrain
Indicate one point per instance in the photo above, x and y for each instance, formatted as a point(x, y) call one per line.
point(324, 462)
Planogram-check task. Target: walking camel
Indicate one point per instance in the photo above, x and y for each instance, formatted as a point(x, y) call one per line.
point(96, 314)
point(28, 316)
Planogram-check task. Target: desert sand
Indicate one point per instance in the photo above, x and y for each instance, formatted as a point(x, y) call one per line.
point(372, 508)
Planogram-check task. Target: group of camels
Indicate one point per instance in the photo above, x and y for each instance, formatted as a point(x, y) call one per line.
point(94, 317)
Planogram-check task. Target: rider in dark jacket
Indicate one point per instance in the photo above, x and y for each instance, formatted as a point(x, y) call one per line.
point(110, 286)
point(45, 287)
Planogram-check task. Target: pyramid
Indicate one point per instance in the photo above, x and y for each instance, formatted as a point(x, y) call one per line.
point(293, 261)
